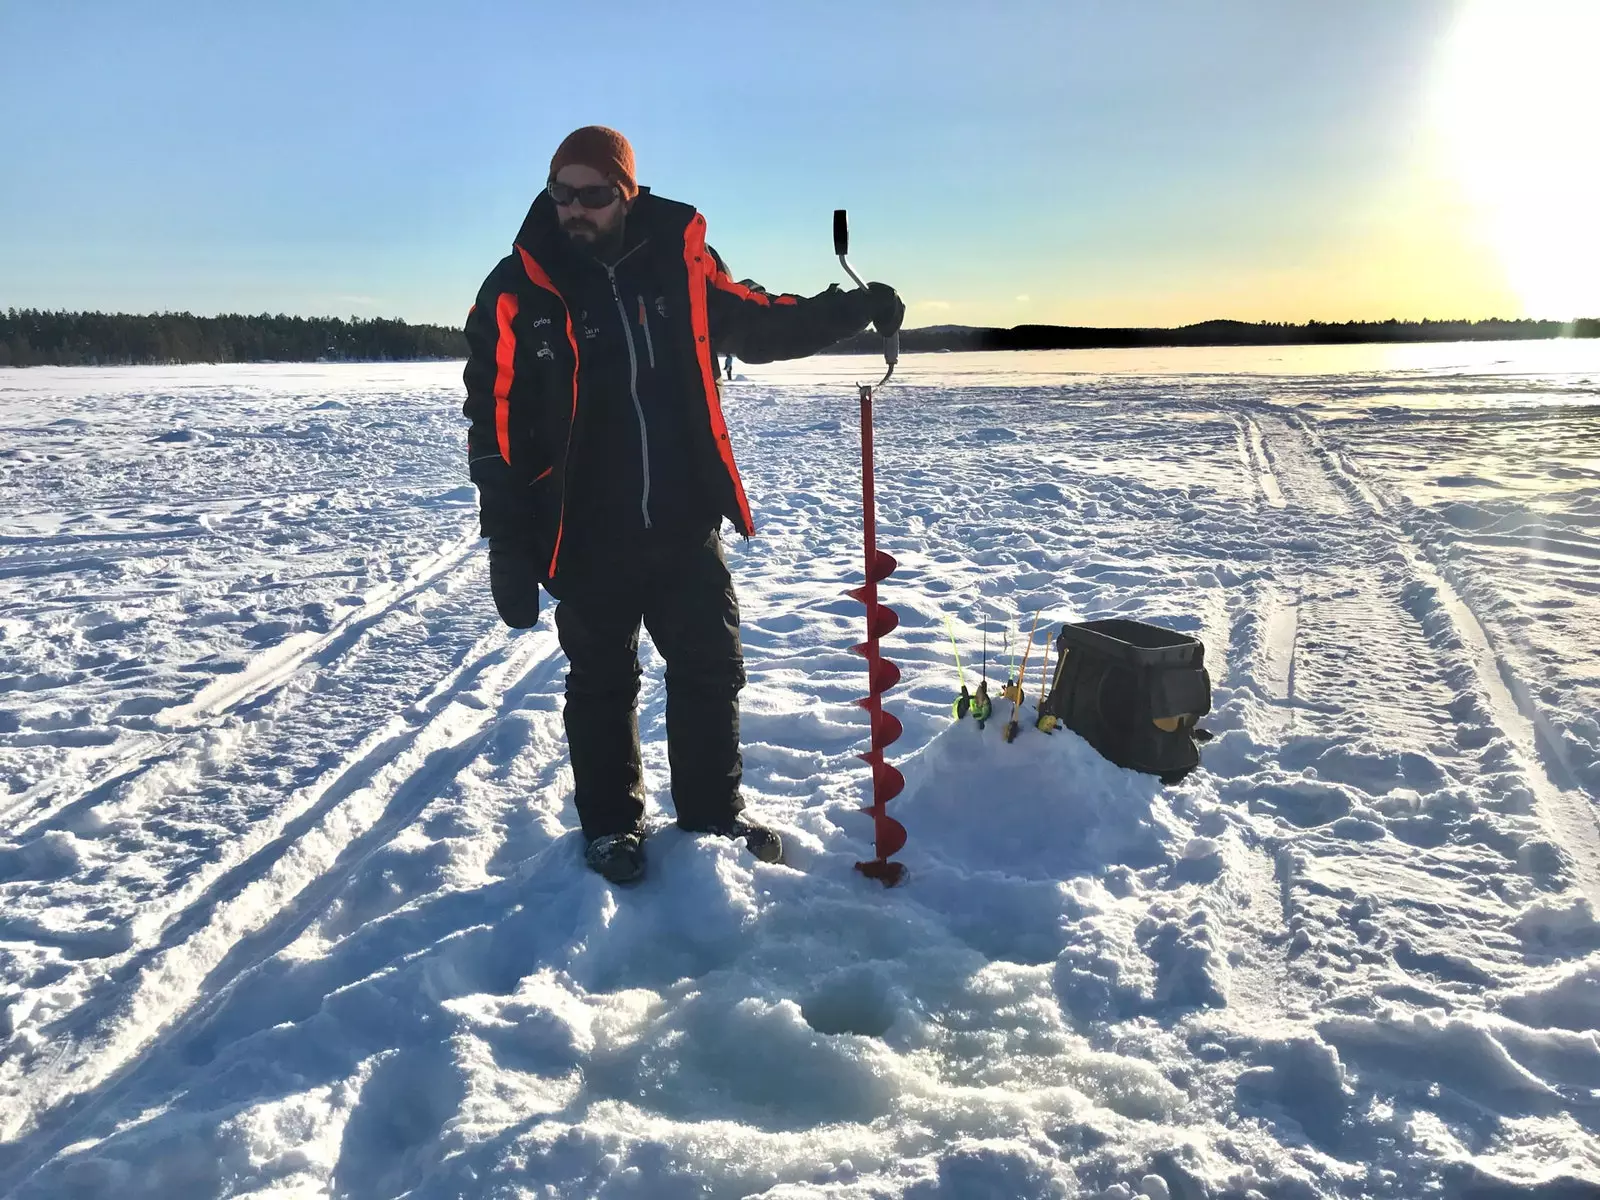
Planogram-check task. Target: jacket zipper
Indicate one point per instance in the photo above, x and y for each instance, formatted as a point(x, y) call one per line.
point(633, 388)
point(649, 342)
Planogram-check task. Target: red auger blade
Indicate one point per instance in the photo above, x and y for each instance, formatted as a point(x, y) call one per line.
point(891, 836)
point(860, 594)
point(886, 729)
point(886, 622)
point(883, 676)
point(883, 566)
point(887, 783)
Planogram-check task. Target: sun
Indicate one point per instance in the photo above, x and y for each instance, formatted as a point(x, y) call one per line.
point(1516, 101)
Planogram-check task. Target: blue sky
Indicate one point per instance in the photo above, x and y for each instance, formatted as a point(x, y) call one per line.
point(1087, 162)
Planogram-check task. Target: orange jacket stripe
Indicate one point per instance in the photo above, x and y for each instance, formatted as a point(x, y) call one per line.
point(702, 270)
point(725, 281)
point(505, 365)
point(540, 278)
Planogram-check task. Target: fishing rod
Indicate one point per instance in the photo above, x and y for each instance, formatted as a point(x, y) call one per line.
point(1012, 688)
point(1046, 721)
point(982, 706)
point(963, 702)
point(1012, 728)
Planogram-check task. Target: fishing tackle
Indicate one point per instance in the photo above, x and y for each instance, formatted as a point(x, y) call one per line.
point(1012, 728)
point(963, 702)
point(1012, 689)
point(1046, 721)
point(982, 706)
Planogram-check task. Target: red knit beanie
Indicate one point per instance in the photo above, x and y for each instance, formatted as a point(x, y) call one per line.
point(605, 150)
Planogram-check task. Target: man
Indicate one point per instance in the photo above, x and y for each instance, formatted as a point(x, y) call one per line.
point(604, 472)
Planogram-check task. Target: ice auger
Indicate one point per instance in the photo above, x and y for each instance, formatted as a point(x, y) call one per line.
point(887, 782)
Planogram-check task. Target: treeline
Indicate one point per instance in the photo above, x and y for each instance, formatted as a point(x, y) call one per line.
point(1220, 333)
point(30, 337)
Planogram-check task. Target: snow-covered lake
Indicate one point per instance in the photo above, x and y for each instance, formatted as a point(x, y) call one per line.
point(291, 898)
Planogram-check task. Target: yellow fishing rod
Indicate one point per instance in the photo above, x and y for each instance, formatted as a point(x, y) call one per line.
point(1046, 721)
point(1012, 728)
point(963, 702)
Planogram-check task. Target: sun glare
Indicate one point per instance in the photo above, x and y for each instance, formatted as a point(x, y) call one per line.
point(1517, 99)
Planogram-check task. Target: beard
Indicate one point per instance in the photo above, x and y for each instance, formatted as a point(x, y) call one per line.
point(604, 244)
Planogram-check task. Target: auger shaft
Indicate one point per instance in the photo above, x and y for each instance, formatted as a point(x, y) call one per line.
point(887, 783)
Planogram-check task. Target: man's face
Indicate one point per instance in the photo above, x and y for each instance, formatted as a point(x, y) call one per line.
point(589, 225)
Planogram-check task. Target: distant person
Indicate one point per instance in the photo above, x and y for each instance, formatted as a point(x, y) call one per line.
point(727, 367)
point(604, 472)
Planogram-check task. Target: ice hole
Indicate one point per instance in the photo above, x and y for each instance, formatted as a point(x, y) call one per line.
point(856, 1001)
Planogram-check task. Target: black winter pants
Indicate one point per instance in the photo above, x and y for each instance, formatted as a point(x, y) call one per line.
point(679, 587)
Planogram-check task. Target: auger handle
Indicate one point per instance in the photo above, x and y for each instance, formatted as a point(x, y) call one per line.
point(841, 247)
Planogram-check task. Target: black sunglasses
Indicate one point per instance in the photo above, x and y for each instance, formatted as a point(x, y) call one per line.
point(594, 195)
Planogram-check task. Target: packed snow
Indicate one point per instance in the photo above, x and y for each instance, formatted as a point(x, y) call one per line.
point(291, 892)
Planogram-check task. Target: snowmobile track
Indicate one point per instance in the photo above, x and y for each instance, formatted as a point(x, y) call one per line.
point(391, 780)
point(267, 673)
point(1266, 479)
point(1565, 809)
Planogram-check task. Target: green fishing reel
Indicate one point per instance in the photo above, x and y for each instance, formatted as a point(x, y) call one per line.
point(982, 708)
point(974, 704)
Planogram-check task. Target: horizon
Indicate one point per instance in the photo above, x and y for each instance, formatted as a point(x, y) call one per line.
point(908, 328)
point(1095, 167)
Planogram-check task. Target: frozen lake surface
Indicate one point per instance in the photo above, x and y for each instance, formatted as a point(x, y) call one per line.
point(291, 894)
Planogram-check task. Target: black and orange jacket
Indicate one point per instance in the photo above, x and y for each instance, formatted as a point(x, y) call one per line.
point(556, 346)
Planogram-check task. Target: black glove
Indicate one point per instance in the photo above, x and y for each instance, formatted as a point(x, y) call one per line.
point(886, 309)
point(514, 579)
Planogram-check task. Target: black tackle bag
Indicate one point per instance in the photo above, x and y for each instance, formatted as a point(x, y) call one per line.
point(1132, 691)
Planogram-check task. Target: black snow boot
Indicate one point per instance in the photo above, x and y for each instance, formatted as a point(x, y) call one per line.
point(617, 856)
point(764, 843)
